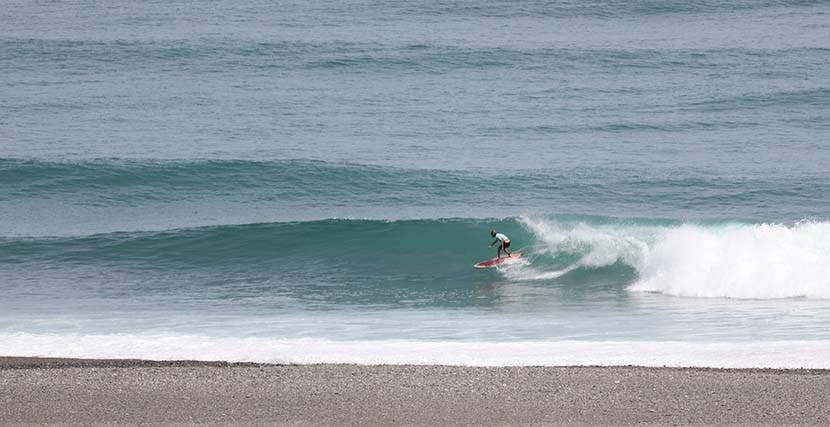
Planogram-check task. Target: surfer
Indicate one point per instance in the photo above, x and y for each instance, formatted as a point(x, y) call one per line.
point(503, 241)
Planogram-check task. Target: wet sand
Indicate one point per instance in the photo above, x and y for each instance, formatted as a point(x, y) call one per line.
point(119, 392)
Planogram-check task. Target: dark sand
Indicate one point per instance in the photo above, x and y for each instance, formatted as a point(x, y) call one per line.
point(90, 392)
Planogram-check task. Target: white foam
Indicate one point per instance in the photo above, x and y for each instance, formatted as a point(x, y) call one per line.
point(750, 261)
point(600, 245)
point(523, 271)
point(757, 261)
point(777, 354)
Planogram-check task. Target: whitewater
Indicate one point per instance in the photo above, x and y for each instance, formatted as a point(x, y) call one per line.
point(733, 260)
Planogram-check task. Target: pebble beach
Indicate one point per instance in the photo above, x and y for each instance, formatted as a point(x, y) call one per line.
point(132, 392)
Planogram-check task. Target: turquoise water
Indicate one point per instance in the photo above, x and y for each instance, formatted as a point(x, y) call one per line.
point(276, 181)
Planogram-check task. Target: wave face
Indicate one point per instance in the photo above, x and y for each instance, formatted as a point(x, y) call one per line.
point(716, 259)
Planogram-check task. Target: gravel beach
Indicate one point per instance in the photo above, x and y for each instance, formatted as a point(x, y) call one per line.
point(117, 392)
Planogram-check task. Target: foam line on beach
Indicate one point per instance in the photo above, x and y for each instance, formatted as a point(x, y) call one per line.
point(775, 354)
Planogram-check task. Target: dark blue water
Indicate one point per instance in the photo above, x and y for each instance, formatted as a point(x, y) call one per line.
point(188, 176)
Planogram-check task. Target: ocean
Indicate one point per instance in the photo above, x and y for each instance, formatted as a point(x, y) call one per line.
point(311, 182)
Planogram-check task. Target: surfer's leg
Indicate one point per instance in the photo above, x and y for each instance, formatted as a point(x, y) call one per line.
point(505, 246)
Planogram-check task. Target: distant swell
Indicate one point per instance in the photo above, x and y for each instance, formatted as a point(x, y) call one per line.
point(289, 187)
point(116, 180)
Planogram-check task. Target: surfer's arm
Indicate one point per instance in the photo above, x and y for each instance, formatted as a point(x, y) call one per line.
point(494, 242)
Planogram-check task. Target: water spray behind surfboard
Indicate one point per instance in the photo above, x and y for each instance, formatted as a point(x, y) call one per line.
point(495, 262)
point(519, 266)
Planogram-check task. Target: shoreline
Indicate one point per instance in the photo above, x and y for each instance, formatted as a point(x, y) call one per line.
point(36, 362)
point(123, 391)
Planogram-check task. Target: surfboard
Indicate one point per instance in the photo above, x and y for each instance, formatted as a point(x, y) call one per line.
point(497, 261)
